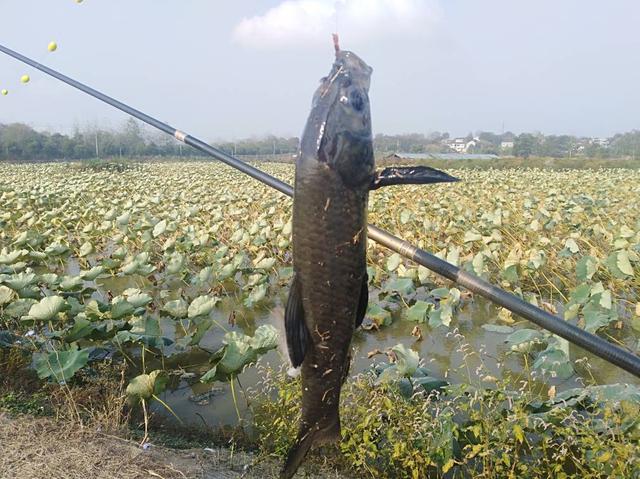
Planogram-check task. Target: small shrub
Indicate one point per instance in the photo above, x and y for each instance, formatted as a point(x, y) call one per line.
point(461, 432)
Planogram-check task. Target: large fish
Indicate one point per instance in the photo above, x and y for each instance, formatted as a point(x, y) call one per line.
point(329, 292)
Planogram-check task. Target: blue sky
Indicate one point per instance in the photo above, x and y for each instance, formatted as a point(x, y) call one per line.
point(224, 70)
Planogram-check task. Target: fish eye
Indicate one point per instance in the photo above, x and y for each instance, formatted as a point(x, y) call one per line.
point(357, 100)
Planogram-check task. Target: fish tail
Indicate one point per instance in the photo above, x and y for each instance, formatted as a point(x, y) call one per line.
point(328, 431)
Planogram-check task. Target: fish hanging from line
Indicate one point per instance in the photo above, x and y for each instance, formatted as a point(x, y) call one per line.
point(328, 296)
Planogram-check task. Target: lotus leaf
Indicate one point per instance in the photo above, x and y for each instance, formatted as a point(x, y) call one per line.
point(20, 281)
point(419, 311)
point(177, 308)
point(145, 330)
point(378, 315)
point(239, 351)
point(144, 386)
point(202, 306)
point(6, 295)
point(60, 365)
point(48, 308)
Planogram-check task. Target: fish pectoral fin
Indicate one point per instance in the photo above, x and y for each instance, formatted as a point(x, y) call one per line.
point(363, 302)
point(409, 175)
point(298, 337)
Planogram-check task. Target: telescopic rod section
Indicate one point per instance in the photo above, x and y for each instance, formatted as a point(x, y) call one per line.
point(590, 342)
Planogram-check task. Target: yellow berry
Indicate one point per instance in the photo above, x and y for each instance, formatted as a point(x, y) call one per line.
point(25, 78)
point(53, 46)
point(5, 92)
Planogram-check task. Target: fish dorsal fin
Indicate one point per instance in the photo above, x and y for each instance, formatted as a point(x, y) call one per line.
point(298, 337)
point(363, 301)
point(409, 175)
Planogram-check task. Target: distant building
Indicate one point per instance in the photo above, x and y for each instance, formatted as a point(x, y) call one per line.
point(604, 142)
point(506, 145)
point(461, 145)
point(438, 156)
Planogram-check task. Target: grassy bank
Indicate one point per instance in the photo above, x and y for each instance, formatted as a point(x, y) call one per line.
point(463, 431)
point(409, 426)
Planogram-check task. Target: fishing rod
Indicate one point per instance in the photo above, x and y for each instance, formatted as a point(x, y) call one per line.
point(609, 352)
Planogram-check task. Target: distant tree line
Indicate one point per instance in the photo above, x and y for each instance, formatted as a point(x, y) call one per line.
point(524, 145)
point(21, 142)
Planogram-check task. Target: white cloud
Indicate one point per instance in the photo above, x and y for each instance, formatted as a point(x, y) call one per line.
point(306, 22)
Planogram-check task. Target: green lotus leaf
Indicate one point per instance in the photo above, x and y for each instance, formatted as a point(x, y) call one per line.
point(139, 300)
point(497, 328)
point(20, 281)
point(524, 340)
point(120, 253)
point(60, 365)
point(614, 262)
point(266, 263)
point(50, 279)
point(227, 271)
point(239, 351)
point(586, 267)
point(11, 257)
point(406, 360)
point(177, 308)
point(81, 329)
point(471, 236)
point(202, 306)
point(71, 282)
point(145, 386)
point(406, 216)
point(175, 263)
point(120, 308)
point(378, 315)
point(393, 262)
point(145, 330)
point(555, 362)
point(6, 295)
point(85, 250)
point(19, 308)
point(441, 316)
point(48, 308)
point(56, 249)
point(206, 275)
point(123, 219)
point(402, 286)
point(623, 263)
point(572, 246)
point(7, 339)
point(257, 294)
point(92, 274)
point(478, 264)
point(419, 311)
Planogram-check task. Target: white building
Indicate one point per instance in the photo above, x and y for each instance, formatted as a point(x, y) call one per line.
point(506, 145)
point(604, 142)
point(461, 145)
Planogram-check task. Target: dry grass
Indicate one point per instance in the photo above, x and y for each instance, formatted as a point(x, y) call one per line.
point(42, 448)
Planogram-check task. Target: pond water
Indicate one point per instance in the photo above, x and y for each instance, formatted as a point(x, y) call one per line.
point(468, 353)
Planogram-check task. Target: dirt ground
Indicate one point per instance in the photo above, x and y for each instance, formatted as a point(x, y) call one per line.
point(41, 448)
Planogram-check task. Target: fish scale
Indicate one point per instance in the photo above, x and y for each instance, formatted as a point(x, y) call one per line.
point(331, 274)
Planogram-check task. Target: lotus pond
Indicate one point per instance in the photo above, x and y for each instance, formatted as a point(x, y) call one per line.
point(182, 269)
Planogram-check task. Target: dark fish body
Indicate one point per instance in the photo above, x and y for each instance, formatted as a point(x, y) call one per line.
point(333, 173)
point(328, 296)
